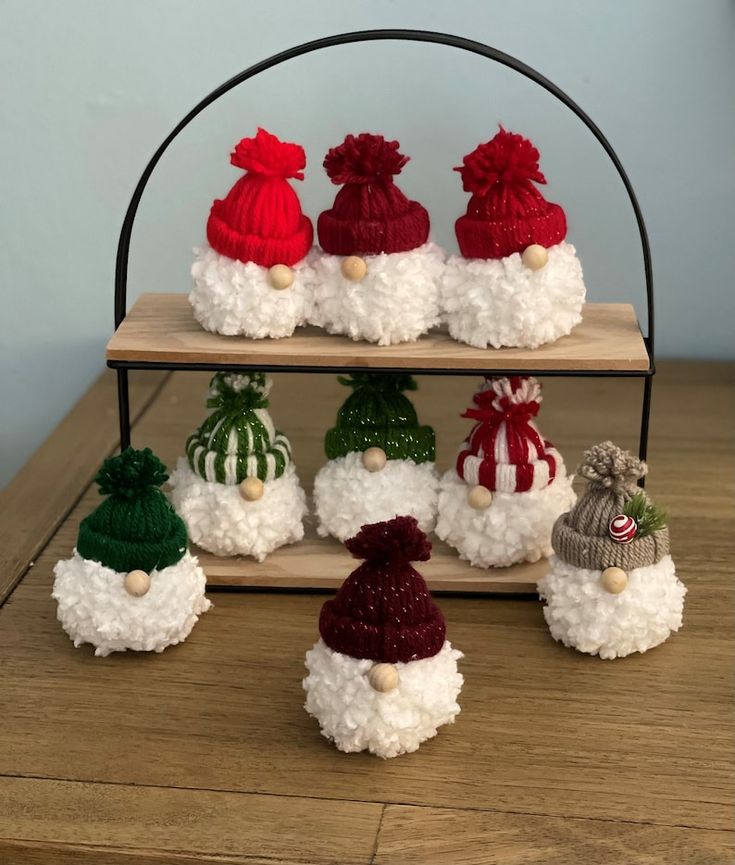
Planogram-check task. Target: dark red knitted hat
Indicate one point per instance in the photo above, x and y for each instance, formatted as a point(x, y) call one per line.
point(261, 220)
point(507, 212)
point(370, 214)
point(383, 611)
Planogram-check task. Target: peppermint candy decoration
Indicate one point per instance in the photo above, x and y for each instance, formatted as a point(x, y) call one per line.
point(623, 529)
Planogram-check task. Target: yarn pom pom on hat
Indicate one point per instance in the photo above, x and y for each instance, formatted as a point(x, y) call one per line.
point(383, 611)
point(378, 414)
point(505, 450)
point(135, 528)
point(260, 219)
point(370, 214)
point(583, 536)
point(506, 212)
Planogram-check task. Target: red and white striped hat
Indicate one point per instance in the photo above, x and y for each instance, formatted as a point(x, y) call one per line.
point(505, 451)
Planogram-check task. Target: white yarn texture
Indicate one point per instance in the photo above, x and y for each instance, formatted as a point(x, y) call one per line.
point(397, 301)
point(581, 614)
point(347, 496)
point(358, 718)
point(235, 298)
point(93, 606)
point(501, 302)
point(221, 521)
point(515, 528)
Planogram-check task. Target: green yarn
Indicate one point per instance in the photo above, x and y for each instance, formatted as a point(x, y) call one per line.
point(377, 414)
point(238, 439)
point(135, 527)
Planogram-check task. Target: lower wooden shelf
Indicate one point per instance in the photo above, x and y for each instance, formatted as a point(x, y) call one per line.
point(323, 563)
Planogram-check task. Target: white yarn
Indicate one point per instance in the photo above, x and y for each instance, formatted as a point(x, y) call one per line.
point(358, 718)
point(221, 521)
point(581, 614)
point(396, 301)
point(347, 496)
point(501, 302)
point(515, 528)
point(235, 298)
point(93, 606)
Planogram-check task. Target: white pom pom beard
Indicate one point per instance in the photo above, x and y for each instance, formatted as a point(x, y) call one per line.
point(93, 606)
point(221, 521)
point(581, 614)
point(235, 298)
point(500, 302)
point(515, 528)
point(397, 301)
point(347, 496)
point(356, 717)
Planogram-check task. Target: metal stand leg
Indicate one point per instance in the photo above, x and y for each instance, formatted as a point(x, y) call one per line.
point(123, 407)
point(645, 415)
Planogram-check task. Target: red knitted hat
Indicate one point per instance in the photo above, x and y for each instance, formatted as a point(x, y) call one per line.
point(507, 212)
point(505, 450)
point(370, 214)
point(383, 611)
point(260, 220)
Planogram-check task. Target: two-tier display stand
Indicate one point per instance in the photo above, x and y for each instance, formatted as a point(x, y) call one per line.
point(159, 332)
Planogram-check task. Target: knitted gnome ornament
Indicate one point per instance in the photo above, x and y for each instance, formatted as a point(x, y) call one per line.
point(131, 582)
point(517, 282)
point(252, 277)
point(237, 489)
point(380, 461)
point(612, 588)
point(383, 677)
point(377, 277)
point(498, 505)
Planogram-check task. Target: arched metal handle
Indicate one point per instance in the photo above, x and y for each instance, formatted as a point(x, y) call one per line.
point(123, 249)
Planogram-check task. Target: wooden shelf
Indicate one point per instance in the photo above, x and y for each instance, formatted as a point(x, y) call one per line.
point(323, 563)
point(161, 329)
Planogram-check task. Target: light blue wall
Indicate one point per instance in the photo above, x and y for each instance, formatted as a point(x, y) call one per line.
point(90, 88)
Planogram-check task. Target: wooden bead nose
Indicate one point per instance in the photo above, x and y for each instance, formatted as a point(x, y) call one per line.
point(614, 580)
point(383, 678)
point(479, 498)
point(374, 459)
point(251, 489)
point(354, 268)
point(535, 256)
point(280, 276)
point(137, 583)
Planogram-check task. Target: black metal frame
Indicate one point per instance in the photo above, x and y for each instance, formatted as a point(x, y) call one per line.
point(123, 249)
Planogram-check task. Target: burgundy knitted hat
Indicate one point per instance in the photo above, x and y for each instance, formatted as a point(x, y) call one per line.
point(260, 219)
point(370, 214)
point(507, 212)
point(383, 611)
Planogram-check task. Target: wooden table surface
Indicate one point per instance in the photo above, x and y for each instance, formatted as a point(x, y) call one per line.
point(205, 754)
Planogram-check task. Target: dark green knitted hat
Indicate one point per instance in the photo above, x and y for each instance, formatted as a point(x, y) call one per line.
point(238, 439)
point(136, 527)
point(377, 414)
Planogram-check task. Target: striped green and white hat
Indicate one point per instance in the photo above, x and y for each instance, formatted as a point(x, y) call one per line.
point(238, 439)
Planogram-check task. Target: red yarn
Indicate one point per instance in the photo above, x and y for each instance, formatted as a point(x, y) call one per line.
point(506, 212)
point(384, 611)
point(370, 214)
point(260, 219)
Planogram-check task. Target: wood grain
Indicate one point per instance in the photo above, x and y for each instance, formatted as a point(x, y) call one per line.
point(161, 327)
point(41, 494)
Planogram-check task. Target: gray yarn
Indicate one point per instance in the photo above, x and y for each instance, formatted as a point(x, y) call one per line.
point(581, 536)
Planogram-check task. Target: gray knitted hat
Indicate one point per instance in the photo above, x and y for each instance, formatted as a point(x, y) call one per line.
point(582, 537)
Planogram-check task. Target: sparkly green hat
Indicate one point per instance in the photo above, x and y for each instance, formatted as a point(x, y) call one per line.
point(135, 527)
point(377, 414)
point(238, 439)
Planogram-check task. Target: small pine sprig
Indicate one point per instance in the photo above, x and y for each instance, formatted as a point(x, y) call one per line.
point(649, 517)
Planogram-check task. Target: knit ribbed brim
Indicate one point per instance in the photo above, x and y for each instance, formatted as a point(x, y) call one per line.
point(479, 238)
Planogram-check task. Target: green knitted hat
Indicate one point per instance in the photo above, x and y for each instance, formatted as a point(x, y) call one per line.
point(377, 414)
point(136, 527)
point(238, 439)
